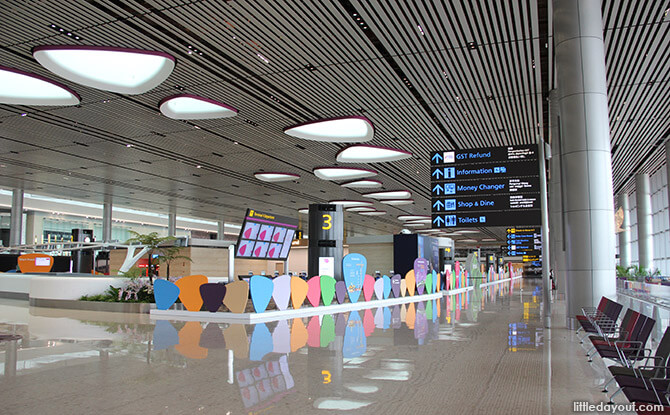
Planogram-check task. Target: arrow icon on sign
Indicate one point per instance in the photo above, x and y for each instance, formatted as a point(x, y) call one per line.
point(439, 205)
point(437, 158)
point(437, 189)
point(437, 173)
point(437, 220)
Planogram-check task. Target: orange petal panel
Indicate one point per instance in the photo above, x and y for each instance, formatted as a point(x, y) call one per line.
point(189, 291)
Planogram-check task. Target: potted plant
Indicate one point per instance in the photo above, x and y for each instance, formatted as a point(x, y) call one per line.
point(159, 245)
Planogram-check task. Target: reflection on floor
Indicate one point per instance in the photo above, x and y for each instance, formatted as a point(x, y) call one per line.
point(480, 352)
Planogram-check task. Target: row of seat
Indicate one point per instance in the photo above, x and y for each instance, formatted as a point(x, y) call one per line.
point(642, 376)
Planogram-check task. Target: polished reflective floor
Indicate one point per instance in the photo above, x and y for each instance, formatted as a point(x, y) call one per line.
point(482, 352)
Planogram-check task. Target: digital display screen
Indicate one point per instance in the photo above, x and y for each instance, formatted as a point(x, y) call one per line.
point(42, 262)
point(265, 236)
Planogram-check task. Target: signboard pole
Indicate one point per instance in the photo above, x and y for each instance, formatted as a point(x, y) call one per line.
point(546, 282)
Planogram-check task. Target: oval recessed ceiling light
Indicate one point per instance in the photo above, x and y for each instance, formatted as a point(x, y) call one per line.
point(427, 230)
point(351, 129)
point(467, 231)
point(304, 211)
point(342, 173)
point(488, 239)
point(122, 70)
point(468, 240)
point(397, 202)
point(363, 184)
point(24, 88)
point(413, 225)
point(272, 176)
point(412, 217)
point(193, 107)
point(423, 221)
point(391, 194)
point(373, 213)
point(361, 209)
point(370, 154)
point(350, 202)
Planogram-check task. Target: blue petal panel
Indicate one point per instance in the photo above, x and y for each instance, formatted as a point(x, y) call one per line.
point(261, 292)
point(165, 293)
point(353, 268)
point(261, 342)
point(165, 335)
point(387, 286)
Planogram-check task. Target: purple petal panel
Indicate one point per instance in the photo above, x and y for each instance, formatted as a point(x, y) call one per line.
point(420, 273)
point(212, 295)
point(340, 291)
point(379, 289)
point(395, 285)
point(340, 324)
point(212, 336)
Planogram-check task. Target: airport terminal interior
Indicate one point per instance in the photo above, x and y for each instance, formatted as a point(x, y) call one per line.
point(346, 206)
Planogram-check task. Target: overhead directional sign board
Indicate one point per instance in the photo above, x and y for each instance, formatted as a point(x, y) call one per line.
point(524, 241)
point(497, 186)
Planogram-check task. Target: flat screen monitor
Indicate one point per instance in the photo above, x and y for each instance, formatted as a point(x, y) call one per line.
point(265, 236)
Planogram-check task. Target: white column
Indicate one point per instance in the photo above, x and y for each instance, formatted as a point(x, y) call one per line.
point(585, 158)
point(172, 224)
point(556, 247)
point(16, 218)
point(624, 236)
point(645, 241)
point(220, 230)
point(107, 222)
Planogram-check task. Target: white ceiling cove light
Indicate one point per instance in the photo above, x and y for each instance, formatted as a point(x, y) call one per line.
point(393, 194)
point(413, 225)
point(193, 107)
point(275, 176)
point(361, 209)
point(122, 70)
point(24, 88)
point(352, 129)
point(363, 184)
point(373, 213)
point(304, 211)
point(412, 217)
point(397, 202)
point(347, 203)
point(342, 173)
point(370, 154)
point(418, 221)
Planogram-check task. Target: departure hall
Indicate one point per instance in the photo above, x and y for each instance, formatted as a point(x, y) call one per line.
point(332, 207)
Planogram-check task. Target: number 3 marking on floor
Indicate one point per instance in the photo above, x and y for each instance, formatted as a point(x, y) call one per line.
point(326, 376)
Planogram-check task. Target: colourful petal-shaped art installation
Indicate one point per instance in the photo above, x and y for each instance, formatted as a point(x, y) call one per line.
point(410, 282)
point(353, 270)
point(340, 291)
point(387, 286)
point(429, 283)
point(378, 288)
point(368, 287)
point(429, 310)
point(299, 335)
point(261, 342)
point(189, 291)
point(299, 289)
point(165, 335)
point(212, 295)
point(189, 341)
point(314, 332)
point(396, 280)
point(281, 338)
point(236, 339)
point(237, 294)
point(403, 312)
point(410, 317)
point(212, 337)
point(327, 289)
point(260, 288)
point(387, 318)
point(420, 272)
point(281, 292)
point(434, 281)
point(314, 291)
point(368, 322)
point(165, 293)
point(438, 282)
point(327, 330)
